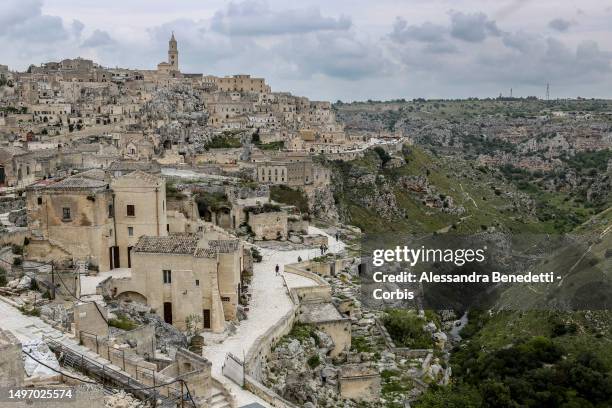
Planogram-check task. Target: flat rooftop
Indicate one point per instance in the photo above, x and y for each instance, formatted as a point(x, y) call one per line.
point(319, 313)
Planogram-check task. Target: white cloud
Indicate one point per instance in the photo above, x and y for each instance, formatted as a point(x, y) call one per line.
point(256, 18)
point(330, 49)
point(98, 38)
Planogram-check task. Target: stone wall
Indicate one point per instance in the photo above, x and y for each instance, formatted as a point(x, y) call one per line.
point(264, 344)
point(11, 365)
point(268, 226)
point(360, 384)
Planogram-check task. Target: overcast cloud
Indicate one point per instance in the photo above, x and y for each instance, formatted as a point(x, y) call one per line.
point(335, 49)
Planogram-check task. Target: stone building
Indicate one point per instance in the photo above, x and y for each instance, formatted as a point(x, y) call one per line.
point(186, 275)
point(239, 83)
point(139, 209)
point(20, 167)
point(90, 217)
point(267, 222)
point(291, 169)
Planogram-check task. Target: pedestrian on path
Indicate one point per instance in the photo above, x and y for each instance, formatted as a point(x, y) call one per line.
point(277, 269)
point(322, 248)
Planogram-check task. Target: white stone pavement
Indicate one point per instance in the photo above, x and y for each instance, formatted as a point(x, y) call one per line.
point(269, 303)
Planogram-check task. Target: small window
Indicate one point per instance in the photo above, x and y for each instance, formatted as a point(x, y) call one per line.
point(131, 211)
point(66, 213)
point(225, 299)
point(131, 231)
point(197, 282)
point(39, 200)
point(111, 211)
point(167, 276)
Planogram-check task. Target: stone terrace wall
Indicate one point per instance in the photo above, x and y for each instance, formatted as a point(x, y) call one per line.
point(262, 347)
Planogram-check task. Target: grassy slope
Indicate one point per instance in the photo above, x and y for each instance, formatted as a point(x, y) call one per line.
point(469, 187)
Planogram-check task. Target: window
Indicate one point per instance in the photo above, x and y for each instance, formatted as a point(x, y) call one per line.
point(225, 299)
point(131, 231)
point(65, 213)
point(111, 211)
point(197, 282)
point(39, 200)
point(131, 210)
point(167, 276)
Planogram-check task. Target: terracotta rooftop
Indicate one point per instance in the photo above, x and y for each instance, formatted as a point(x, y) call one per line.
point(172, 244)
point(205, 253)
point(133, 165)
point(78, 183)
point(224, 246)
point(141, 175)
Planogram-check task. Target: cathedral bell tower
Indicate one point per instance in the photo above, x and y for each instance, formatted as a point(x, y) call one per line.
point(173, 53)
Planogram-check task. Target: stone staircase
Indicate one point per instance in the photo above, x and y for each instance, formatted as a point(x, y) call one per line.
point(219, 400)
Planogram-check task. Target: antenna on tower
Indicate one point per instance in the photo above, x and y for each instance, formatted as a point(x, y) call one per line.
point(548, 91)
point(510, 92)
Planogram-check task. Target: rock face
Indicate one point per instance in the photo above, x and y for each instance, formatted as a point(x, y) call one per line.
point(167, 336)
point(368, 190)
point(122, 399)
point(322, 205)
point(420, 186)
point(300, 371)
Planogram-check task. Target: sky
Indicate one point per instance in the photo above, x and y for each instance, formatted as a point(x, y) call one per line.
point(335, 49)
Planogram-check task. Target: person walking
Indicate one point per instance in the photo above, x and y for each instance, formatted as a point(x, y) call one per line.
point(321, 248)
point(277, 269)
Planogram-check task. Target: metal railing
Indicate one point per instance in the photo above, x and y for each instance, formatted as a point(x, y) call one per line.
point(177, 391)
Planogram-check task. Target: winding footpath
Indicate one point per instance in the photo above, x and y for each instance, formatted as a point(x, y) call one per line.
point(269, 303)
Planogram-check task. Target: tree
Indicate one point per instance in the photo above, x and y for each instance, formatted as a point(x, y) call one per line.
point(461, 396)
point(382, 154)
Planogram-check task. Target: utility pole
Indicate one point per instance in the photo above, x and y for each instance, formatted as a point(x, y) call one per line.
point(52, 281)
point(182, 397)
point(547, 91)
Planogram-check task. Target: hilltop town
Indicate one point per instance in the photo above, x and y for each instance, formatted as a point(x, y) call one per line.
point(173, 238)
point(161, 227)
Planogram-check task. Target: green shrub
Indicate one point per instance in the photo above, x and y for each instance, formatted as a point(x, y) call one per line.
point(301, 332)
point(314, 361)
point(30, 311)
point(257, 257)
point(360, 344)
point(406, 329)
point(123, 322)
point(288, 195)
